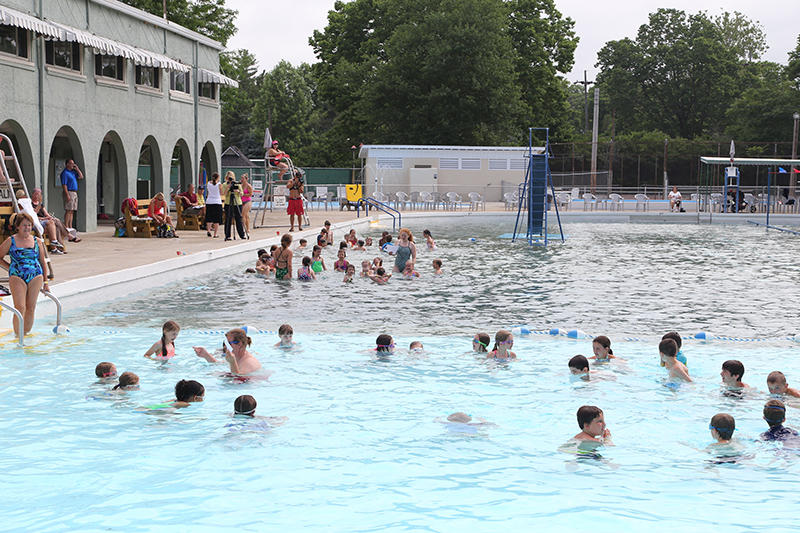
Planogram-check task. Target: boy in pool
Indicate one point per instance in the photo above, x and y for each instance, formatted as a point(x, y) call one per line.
point(105, 371)
point(732, 373)
point(302, 244)
point(416, 346)
point(579, 366)
point(722, 426)
point(668, 350)
point(245, 405)
point(593, 426)
point(776, 383)
point(437, 267)
point(775, 415)
point(677, 338)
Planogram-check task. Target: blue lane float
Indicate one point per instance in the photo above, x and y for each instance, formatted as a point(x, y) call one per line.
point(576, 334)
point(520, 330)
point(704, 336)
point(557, 332)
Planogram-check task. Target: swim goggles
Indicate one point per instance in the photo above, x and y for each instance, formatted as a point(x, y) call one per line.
point(721, 430)
point(386, 345)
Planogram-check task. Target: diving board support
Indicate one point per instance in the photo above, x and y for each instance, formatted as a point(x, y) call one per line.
point(19, 317)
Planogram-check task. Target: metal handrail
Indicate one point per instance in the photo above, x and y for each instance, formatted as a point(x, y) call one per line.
point(19, 317)
point(58, 306)
point(381, 207)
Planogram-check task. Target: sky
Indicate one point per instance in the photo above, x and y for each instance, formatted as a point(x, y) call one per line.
point(282, 31)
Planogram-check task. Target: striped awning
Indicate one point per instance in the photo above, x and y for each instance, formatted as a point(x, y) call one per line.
point(207, 76)
point(11, 17)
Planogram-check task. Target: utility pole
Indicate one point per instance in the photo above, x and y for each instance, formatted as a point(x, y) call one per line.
point(595, 127)
point(585, 84)
point(610, 180)
point(793, 176)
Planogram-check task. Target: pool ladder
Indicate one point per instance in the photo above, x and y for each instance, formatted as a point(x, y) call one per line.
point(16, 312)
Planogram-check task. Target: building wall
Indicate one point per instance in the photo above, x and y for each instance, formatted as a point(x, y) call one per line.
point(101, 123)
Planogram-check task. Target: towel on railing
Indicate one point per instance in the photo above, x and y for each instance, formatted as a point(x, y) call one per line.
point(132, 206)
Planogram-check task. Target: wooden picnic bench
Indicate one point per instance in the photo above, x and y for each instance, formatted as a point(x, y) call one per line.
point(139, 224)
point(187, 220)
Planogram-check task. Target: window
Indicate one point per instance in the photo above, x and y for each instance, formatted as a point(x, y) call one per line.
point(390, 162)
point(148, 76)
point(63, 54)
point(109, 67)
point(448, 163)
point(14, 41)
point(207, 90)
point(470, 164)
point(180, 81)
point(498, 164)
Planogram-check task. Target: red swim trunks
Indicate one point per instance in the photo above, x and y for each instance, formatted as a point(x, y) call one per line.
point(295, 206)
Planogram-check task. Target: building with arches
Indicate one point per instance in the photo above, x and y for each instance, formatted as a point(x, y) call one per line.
point(131, 97)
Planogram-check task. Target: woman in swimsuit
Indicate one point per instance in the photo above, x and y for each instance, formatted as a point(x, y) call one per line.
point(405, 250)
point(157, 210)
point(283, 258)
point(295, 205)
point(241, 361)
point(247, 203)
point(26, 271)
point(306, 273)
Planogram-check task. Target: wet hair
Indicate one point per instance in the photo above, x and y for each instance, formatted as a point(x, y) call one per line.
point(587, 413)
point(484, 339)
point(342, 250)
point(459, 418)
point(437, 262)
point(302, 241)
point(605, 342)
point(410, 235)
point(285, 329)
point(668, 347)
point(380, 271)
point(240, 335)
point(415, 344)
point(104, 368)
point(776, 377)
point(426, 232)
point(724, 424)
point(384, 342)
point(380, 261)
point(579, 362)
point(273, 248)
point(736, 368)
point(260, 252)
point(388, 239)
point(306, 261)
point(349, 266)
point(674, 336)
point(343, 245)
point(316, 248)
point(187, 389)
point(169, 325)
point(126, 380)
point(286, 240)
point(501, 336)
point(361, 243)
point(774, 412)
point(245, 405)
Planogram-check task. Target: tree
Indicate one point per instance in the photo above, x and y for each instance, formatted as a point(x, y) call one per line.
point(207, 17)
point(442, 71)
point(237, 104)
point(745, 37)
point(677, 75)
point(793, 68)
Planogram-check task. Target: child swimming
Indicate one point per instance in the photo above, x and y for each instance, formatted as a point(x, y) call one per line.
point(776, 383)
point(384, 344)
point(722, 426)
point(593, 426)
point(365, 269)
point(775, 414)
point(668, 350)
point(409, 272)
point(187, 392)
point(380, 276)
point(350, 274)
point(286, 333)
point(503, 341)
point(437, 267)
point(416, 346)
point(165, 347)
point(317, 262)
point(480, 342)
point(305, 272)
point(429, 239)
point(105, 371)
point(127, 381)
point(340, 265)
point(601, 346)
point(732, 373)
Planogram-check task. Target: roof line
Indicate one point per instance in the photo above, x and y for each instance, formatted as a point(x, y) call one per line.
point(159, 22)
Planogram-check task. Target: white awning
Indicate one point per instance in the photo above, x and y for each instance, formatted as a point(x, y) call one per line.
point(11, 17)
point(103, 45)
point(207, 76)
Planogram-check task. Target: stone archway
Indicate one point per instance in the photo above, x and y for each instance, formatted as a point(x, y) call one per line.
point(150, 170)
point(22, 147)
point(112, 176)
point(66, 145)
point(180, 169)
point(209, 162)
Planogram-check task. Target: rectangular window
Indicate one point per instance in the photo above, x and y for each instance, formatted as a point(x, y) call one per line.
point(63, 54)
point(498, 164)
point(112, 67)
point(207, 90)
point(518, 164)
point(148, 76)
point(470, 164)
point(14, 41)
point(448, 163)
point(390, 162)
point(180, 82)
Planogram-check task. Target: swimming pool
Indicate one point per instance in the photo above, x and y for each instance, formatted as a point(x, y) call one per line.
point(361, 450)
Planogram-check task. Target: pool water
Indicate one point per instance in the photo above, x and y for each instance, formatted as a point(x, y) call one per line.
point(631, 279)
point(362, 450)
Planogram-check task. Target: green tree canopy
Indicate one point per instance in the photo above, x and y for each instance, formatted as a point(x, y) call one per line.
point(677, 76)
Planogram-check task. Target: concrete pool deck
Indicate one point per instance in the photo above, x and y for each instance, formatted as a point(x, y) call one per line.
point(103, 267)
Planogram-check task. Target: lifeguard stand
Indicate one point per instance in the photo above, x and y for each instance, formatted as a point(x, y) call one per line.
point(732, 178)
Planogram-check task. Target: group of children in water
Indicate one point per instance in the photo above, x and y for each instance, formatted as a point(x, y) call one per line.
point(270, 261)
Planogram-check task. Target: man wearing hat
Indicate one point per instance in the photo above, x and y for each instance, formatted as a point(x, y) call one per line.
point(276, 159)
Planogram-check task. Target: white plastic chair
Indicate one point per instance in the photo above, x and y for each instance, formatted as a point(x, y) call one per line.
point(589, 202)
point(402, 200)
point(414, 199)
point(476, 202)
point(426, 200)
point(380, 197)
point(716, 202)
point(453, 200)
point(309, 198)
point(327, 199)
point(642, 202)
point(564, 200)
point(511, 200)
point(617, 202)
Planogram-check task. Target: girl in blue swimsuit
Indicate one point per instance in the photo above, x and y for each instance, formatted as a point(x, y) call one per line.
point(26, 270)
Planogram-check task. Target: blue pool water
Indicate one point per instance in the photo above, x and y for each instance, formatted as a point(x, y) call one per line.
point(361, 450)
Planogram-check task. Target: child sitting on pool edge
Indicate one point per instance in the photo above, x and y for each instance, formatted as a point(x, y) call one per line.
point(668, 349)
point(776, 383)
point(593, 426)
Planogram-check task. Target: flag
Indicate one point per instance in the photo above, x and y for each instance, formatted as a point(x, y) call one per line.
point(733, 152)
point(781, 170)
point(267, 140)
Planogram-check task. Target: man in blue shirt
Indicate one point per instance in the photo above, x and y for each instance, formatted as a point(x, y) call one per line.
point(69, 185)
